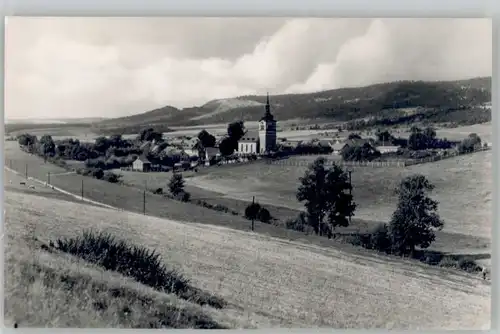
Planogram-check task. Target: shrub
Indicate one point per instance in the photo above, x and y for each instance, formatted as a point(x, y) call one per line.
point(158, 191)
point(185, 196)
point(468, 265)
point(130, 260)
point(380, 239)
point(297, 224)
point(111, 177)
point(264, 215)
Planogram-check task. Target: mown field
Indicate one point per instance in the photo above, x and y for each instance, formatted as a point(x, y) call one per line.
point(267, 282)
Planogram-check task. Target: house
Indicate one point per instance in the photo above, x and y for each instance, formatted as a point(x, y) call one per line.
point(211, 153)
point(337, 146)
point(249, 143)
point(141, 164)
point(387, 148)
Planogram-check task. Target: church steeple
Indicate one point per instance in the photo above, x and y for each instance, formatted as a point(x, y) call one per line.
point(268, 115)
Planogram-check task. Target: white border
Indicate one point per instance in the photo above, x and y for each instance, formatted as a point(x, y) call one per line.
point(316, 8)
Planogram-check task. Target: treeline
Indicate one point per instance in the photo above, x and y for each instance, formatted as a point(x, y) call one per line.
point(127, 129)
point(453, 117)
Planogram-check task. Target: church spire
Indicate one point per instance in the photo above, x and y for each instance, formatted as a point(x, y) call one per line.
point(268, 115)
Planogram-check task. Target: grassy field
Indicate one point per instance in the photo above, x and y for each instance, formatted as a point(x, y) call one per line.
point(267, 282)
point(462, 182)
point(131, 198)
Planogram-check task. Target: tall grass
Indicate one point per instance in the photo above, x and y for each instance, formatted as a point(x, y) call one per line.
point(142, 264)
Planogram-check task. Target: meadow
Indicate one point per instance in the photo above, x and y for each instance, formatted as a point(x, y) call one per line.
point(463, 189)
point(267, 282)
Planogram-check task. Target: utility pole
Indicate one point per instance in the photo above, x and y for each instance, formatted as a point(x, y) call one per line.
point(48, 178)
point(144, 198)
point(253, 204)
point(82, 188)
point(350, 192)
point(26, 171)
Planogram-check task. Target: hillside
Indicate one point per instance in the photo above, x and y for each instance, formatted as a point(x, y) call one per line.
point(446, 99)
point(267, 282)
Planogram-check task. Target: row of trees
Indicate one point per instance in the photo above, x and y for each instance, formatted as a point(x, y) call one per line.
point(327, 197)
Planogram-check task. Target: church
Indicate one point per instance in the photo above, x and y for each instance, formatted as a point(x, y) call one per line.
point(264, 140)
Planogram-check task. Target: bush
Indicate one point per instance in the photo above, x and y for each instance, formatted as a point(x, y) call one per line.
point(111, 177)
point(298, 224)
point(130, 260)
point(158, 191)
point(185, 197)
point(138, 262)
point(380, 239)
point(264, 215)
point(294, 224)
point(468, 265)
point(377, 239)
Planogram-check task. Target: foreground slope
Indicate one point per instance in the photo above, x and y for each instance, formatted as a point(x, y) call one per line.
point(268, 281)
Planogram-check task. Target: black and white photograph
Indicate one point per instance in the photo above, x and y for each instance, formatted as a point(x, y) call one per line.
point(248, 173)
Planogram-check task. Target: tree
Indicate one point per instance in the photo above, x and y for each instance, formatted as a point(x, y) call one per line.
point(26, 139)
point(226, 146)
point(364, 152)
point(469, 144)
point(47, 146)
point(236, 130)
point(101, 144)
point(252, 211)
point(325, 193)
point(206, 139)
point(354, 136)
point(150, 134)
point(416, 218)
point(176, 184)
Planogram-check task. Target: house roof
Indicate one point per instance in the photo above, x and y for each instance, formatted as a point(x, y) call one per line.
point(211, 151)
point(324, 143)
point(337, 146)
point(250, 137)
point(143, 159)
point(356, 142)
point(388, 146)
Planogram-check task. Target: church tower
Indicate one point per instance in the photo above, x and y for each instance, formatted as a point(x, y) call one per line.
point(267, 130)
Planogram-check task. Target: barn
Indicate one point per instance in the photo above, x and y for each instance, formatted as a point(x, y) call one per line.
point(141, 164)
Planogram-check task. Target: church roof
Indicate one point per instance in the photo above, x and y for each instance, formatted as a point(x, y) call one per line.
point(250, 137)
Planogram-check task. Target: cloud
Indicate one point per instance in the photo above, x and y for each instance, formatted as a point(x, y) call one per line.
point(77, 67)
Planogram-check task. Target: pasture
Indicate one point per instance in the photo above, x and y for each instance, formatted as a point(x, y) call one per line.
point(463, 189)
point(267, 282)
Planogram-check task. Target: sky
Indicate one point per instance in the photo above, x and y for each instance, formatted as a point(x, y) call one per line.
point(109, 67)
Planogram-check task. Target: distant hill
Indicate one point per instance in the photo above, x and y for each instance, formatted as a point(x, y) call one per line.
point(445, 100)
point(83, 120)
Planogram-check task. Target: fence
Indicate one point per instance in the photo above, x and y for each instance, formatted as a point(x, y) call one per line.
point(374, 164)
point(443, 157)
point(305, 163)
